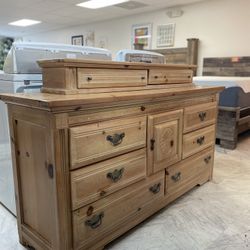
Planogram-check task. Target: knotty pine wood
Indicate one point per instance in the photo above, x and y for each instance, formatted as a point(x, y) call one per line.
point(165, 129)
point(191, 144)
point(91, 183)
point(60, 120)
point(199, 116)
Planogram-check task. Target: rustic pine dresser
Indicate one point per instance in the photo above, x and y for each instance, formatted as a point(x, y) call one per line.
point(104, 146)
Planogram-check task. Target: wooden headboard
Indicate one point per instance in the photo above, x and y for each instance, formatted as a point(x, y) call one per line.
point(226, 66)
point(187, 55)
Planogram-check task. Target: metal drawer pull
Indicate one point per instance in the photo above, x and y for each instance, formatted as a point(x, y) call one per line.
point(155, 188)
point(176, 177)
point(202, 116)
point(156, 77)
point(116, 175)
point(200, 140)
point(207, 159)
point(89, 78)
point(95, 221)
point(115, 139)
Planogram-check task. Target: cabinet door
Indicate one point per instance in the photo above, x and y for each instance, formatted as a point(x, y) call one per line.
point(164, 140)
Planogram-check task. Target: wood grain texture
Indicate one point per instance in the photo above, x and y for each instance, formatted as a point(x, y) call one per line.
point(199, 116)
point(170, 76)
point(88, 162)
point(97, 78)
point(115, 209)
point(164, 140)
point(226, 66)
point(90, 143)
point(93, 182)
point(198, 140)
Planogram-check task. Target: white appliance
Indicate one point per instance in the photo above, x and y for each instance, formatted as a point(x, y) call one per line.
point(22, 74)
point(128, 55)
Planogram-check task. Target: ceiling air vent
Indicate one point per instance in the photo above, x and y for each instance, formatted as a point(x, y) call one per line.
point(131, 5)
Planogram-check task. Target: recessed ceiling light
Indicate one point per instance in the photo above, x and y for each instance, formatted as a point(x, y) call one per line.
point(96, 4)
point(24, 22)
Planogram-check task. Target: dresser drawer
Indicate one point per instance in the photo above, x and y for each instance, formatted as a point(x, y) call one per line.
point(99, 180)
point(198, 140)
point(95, 221)
point(199, 116)
point(95, 142)
point(170, 76)
point(182, 174)
point(101, 78)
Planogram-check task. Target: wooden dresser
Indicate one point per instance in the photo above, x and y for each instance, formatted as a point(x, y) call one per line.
point(107, 146)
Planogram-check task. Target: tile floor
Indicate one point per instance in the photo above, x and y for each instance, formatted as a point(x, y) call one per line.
point(215, 216)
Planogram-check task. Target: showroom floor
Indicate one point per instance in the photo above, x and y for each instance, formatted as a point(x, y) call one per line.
point(215, 216)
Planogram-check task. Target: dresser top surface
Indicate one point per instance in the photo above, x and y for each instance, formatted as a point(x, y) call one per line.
point(53, 101)
point(108, 64)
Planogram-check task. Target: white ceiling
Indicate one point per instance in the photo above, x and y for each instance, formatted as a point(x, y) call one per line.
point(59, 14)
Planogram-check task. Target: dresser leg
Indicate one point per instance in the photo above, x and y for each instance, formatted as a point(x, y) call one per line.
point(228, 144)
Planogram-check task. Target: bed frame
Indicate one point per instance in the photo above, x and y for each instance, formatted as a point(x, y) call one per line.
point(186, 55)
point(232, 121)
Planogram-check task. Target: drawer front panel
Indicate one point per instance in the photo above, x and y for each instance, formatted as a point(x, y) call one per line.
point(99, 141)
point(198, 140)
point(199, 116)
point(95, 221)
point(181, 174)
point(99, 180)
point(170, 76)
point(101, 78)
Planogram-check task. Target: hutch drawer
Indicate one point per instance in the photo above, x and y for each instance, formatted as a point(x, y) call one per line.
point(92, 222)
point(97, 78)
point(198, 140)
point(93, 182)
point(199, 116)
point(157, 76)
point(99, 141)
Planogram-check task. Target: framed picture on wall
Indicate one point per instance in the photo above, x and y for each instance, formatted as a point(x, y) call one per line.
point(77, 40)
point(165, 35)
point(141, 36)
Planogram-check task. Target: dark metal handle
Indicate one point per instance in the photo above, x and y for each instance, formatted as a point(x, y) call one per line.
point(152, 144)
point(95, 221)
point(200, 140)
point(156, 77)
point(143, 77)
point(155, 188)
point(115, 139)
point(207, 159)
point(202, 116)
point(116, 175)
point(172, 143)
point(176, 177)
point(89, 78)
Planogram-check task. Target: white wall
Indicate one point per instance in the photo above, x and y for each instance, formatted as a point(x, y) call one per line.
point(221, 25)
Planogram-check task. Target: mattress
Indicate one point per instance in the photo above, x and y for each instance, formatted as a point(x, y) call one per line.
point(236, 93)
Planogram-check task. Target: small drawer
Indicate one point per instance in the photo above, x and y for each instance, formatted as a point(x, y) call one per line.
point(99, 180)
point(199, 116)
point(181, 175)
point(99, 141)
point(104, 78)
point(157, 76)
point(95, 221)
point(198, 140)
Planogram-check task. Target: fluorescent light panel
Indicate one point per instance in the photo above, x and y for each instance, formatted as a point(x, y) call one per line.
point(24, 22)
point(96, 4)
